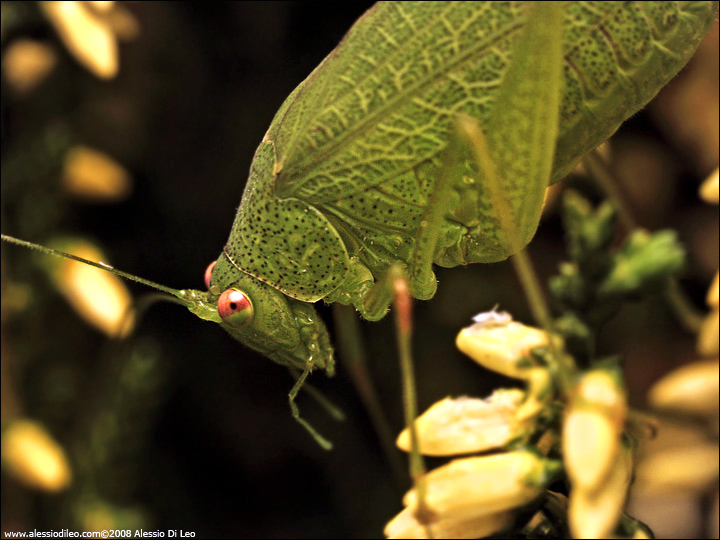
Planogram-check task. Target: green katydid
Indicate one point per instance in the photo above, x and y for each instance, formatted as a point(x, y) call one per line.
point(340, 186)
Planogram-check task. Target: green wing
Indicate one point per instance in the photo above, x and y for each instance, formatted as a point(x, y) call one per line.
point(359, 140)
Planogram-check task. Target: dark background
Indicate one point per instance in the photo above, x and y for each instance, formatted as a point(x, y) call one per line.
point(206, 442)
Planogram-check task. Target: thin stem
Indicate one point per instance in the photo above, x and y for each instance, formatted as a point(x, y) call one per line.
point(352, 352)
point(687, 314)
point(541, 313)
point(601, 172)
point(533, 290)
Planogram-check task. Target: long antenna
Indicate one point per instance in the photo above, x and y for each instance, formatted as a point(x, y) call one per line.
point(49, 251)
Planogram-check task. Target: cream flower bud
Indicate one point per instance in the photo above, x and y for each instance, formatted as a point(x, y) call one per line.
point(709, 188)
point(707, 344)
point(686, 468)
point(500, 344)
point(592, 427)
point(692, 388)
point(466, 488)
point(102, 6)
point(406, 525)
point(99, 297)
point(595, 513)
point(713, 293)
point(26, 63)
point(92, 175)
point(87, 35)
point(32, 456)
point(464, 425)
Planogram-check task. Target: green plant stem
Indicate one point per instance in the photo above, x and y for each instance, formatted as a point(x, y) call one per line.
point(600, 171)
point(689, 317)
point(352, 353)
point(533, 291)
point(541, 313)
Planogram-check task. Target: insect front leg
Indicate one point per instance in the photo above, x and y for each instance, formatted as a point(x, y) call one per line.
point(315, 337)
point(322, 441)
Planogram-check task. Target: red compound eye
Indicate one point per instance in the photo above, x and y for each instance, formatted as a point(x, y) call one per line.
point(208, 273)
point(235, 308)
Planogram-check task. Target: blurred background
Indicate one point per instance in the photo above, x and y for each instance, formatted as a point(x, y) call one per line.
point(136, 152)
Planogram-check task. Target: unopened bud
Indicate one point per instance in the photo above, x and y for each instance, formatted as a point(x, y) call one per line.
point(406, 525)
point(692, 388)
point(92, 175)
point(87, 35)
point(707, 344)
point(466, 488)
point(712, 294)
point(709, 188)
point(593, 424)
point(26, 63)
point(687, 468)
point(99, 297)
point(32, 456)
point(501, 345)
point(464, 425)
point(595, 513)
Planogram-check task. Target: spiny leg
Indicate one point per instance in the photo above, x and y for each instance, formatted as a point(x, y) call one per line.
point(421, 278)
point(403, 323)
point(514, 151)
point(333, 410)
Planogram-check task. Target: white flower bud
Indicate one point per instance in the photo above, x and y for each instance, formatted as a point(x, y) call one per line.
point(707, 344)
point(464, 425)
point(99, 297)
point(709, 188)
point(466, 488)
point(32, 456)
point(687, 468)
point(406, 525)
point(692, 388)
point(500, 344)
point(595, 513)
point(87, 35)
point(592, 427)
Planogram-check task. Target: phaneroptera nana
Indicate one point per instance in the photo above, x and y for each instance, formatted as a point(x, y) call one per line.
point(154, 276)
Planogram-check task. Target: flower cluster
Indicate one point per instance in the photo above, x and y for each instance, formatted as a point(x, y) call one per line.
point(516, 433)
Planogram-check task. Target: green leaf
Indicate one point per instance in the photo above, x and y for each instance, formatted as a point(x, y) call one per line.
point(644, 261)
